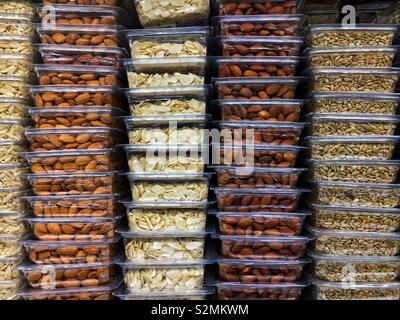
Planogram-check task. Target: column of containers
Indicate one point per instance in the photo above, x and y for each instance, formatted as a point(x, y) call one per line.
point(16, 73)
point(355, 198)
point(260, 222)
point(74, 181)
point(165, 240)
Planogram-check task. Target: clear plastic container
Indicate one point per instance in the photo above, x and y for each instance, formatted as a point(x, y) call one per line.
point(170, 42)
point(362, 57)
point(9, 271)
point(166, 159)
point(258, 199)
point(16, 44)
point(257, 88)
point(74, 96)
point(79, 35)
point(13, 64)
point(70, 139)
point(262, 271)
point(269, 25)
point(51, 277)
point(355, 219)
point(183, 100)
point(10, 246)
point(12, 223)
point(166, 72)
point(14, 108)
point(351, 148)
point(11, 152)
point(14, 87)
point(49, 74)
point(16, 24)
point(238, 177)
point(257, 7)
point(356, 194)
point(123, 294)
point(82, 55)
point(72, 229)
point(335, 35)
point(326, 290)
point(164, 247)
point(81, 14)
point(175, 217)
point(167, 130)
point(368, 171)
point(351, 125)
point(352, 79)
point(250, 132)
point(13, 176)
point(74, 206)
point(86, 293)
point(260, 224)
point(169, 187)
point(77, 117)
point(74, 184)
point(79, 161)
point(347, 243)
point(259, 291)
point(9, 290)
point(250, 156)
point(10, 199)
point(355, 268)
point(71, 252)
point(263, 110)
point(237, 46)
point(355, 103)
point(163, 277)
point(152, 14)
point(256, 67)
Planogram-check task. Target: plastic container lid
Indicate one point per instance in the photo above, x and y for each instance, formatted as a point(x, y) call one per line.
point(127, 234)
point(161, 206)
point(285, 41)
point(356, 234)
point(264, 125)
point(293, 81)
point(350, 50)
point(252, 191)
point(88, 130)
point(168, 177)
point(263, 263)
point(355, 210)
point(80, 29)
point(75, 68)
point(351, 71)
point(133, 122)
point(258, 60)
point(355, 285)
point(284, 239)
point(349, 28)
point(200, 91)
point(55, 48)
point(281, 103)
point(74, 88)
point(351, 139)
point(356, 186)
point(356, 96)
point(327, 117)
point(166, 32)
point(257, 170)
point(17, 17)
point(354, 259)
point(363, 163)
point(273, 18)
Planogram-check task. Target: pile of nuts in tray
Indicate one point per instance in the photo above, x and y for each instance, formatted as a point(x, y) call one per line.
point(351, 168)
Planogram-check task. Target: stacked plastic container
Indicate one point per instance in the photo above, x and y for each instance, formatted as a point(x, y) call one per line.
point(16, 64)
point(74, 167)
point(260, 222)
point(352, 124)
point(165, 241)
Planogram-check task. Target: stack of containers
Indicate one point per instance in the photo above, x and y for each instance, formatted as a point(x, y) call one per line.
point(260, 224)
point(355, 220)
point(166, 235)
point(16, 73)
point(74, 181)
